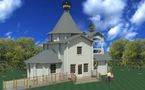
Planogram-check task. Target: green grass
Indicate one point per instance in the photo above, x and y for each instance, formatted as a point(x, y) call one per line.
point(124, 80)
point(11, 75)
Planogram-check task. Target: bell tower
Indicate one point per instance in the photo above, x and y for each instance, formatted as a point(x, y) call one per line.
point(66, 5)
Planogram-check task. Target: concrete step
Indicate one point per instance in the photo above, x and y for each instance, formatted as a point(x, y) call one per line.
point(86, 80)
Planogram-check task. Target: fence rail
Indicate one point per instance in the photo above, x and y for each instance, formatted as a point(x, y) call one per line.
point(32, 82)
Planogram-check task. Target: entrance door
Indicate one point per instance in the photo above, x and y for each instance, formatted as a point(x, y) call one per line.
point(53, 68)
point(80, 70)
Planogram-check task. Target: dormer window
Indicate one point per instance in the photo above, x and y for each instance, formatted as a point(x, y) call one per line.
point(79, 50)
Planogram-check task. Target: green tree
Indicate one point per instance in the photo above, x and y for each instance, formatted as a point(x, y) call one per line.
point(116, 50)
point(14, 52)
point(134, 54)
point(91, 27)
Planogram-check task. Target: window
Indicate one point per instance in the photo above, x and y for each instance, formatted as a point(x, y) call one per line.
point(72, 68)
point(38, 66)
point(97, 51)
point(80, 69)
point(79, 50)
point(53, 68)
point(85, 67)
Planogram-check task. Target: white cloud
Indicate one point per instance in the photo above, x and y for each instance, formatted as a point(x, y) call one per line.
point(108, 14)
point(8, 35)
point(111, 18)
point(122, 30)
point(104, 13)
point(139, 16)
point(7, 7)
point(39, 43)
point(130, 35)
point(108, 49)
point(114, 32)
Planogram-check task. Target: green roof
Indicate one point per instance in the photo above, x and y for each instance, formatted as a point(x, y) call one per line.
point(102, 57)
point(65, 25)
point(46, 56)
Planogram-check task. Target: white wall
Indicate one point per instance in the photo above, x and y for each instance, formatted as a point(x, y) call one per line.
point(71, 56)
point(102, 67)
point(41, 69)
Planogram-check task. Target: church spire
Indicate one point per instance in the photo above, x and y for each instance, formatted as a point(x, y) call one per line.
point(66, 5)
point(66, 24)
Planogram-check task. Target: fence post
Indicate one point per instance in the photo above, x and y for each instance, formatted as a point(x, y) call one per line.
point(13, 83)
point(63, 76)
point(46, 79)
point(42, 79)
point(66, 76)
point(59, 77)
point(37, 80)
point(55, 77)
point(33, 81)
point(28, 79)
point(4, 85)
point(51, 78)
point(16, 83)
point(24, 83)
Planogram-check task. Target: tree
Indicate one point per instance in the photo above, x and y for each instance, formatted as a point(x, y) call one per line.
point(91, 27)
point(134, 54)
point(116, 50)
point(14, 52)
point(27, 48)
point(6, 49)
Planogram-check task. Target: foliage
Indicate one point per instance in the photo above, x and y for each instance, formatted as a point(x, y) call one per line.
point(134, 54)
point(14, 52)
point(91, 27)
point(116, 50)
point(129, 53)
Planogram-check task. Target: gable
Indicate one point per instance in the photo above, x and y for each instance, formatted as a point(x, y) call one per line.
point(80, 40)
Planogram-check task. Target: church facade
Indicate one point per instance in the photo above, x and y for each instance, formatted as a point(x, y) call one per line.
point(69, 50)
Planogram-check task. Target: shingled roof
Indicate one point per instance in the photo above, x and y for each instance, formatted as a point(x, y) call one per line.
point(65, 25)
point(46, 56)
point(102, 57)
point(92, 34)
point(69, 39)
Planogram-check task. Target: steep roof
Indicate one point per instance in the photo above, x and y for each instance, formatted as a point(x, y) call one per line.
point(46, 56)
point(102, 57)
point(65, 25)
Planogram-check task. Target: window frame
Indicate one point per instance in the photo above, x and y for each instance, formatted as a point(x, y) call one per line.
point(79, 50)
point(72, 68)
point(80, 71)
point(53, 68)
point(86, 67)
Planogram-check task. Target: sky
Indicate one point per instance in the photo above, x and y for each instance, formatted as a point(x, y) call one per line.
point(115, 19)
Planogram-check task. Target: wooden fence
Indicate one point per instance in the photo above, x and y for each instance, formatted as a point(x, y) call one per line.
point(32, 82)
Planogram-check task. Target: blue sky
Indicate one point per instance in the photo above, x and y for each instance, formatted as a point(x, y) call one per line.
point(116, 19)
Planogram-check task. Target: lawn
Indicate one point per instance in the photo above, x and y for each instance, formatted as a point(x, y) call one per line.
point(124, 80)
point(11, 75)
